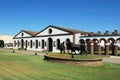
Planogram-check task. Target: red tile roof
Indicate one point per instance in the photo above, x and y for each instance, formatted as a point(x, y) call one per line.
point(33, 33)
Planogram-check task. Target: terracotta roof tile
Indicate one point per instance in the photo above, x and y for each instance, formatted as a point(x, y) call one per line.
point(30, 32)
point(67, 29)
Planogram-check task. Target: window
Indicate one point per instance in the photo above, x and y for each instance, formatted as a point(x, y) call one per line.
point(36, 43)
point(58, 43)
point(50, 31)
point(43, 44)
point(22, 34)
point(31, 43)
point(26, 43)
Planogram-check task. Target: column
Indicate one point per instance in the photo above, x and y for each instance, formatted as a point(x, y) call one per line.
point(99, 49)
point(91, 48)
point(115, 49)
point(107, 49)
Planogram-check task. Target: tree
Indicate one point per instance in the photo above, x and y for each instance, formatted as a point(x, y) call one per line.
point(1, 43)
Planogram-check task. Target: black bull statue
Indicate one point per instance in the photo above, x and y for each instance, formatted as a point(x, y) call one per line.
point(73, 47)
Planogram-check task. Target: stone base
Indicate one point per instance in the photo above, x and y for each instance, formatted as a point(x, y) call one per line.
point(97, 62)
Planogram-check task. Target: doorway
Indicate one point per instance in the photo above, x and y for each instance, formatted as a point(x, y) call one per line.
point(22, 44)
point(50, 44)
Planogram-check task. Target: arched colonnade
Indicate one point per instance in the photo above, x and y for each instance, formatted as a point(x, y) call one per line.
point(102, 45)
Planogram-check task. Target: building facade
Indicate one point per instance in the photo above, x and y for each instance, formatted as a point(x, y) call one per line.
point(51, 37)
point(47, 39)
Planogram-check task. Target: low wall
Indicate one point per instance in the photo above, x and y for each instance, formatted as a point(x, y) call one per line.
point(96, 62)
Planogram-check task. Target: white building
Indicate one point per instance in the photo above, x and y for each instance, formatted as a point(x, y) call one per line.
point(47, 39)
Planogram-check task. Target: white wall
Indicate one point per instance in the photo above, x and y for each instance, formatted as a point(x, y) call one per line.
point(54, 31)
point(54, 38)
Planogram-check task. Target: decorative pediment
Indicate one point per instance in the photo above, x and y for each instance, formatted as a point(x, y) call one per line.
point(25, 33)
point(54, 30)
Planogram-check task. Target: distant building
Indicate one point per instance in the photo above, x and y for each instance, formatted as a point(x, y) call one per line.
point(8, 41)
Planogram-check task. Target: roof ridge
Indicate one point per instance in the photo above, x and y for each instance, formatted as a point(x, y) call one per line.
point(67, 29)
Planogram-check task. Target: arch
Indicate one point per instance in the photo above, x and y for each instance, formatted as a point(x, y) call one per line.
point(50, 44)
point(118, 43)
point(67, 39)
point(67, 47)
point(103, 39)
point(102, 43)
point(31, 43)
point(118, 39)
point(26, 43)
point(111, 40)
point(36, 44)
point(88, 41)
point(58, 43)
point(95, 40)
point(22, 44)
point(43, 44)
point(82, 41)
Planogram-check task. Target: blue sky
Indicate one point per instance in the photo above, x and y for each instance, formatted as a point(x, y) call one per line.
point(35, 15)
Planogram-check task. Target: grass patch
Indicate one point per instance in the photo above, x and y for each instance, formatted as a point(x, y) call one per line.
point(79, 57)
point(15, 66)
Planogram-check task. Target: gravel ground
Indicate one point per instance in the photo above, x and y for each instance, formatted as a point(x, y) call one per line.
point(112, 59)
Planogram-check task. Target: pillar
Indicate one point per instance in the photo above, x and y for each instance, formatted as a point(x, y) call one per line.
point(91, 48)
point(115, 49)
point(86, 48)
point(107, 49)
point(99, 49)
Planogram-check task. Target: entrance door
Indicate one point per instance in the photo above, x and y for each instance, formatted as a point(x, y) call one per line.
point(22, 44)
point(50, 44)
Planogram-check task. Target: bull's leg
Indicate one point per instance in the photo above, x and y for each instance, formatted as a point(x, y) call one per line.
point(60, 51)
point(81, 52)
point(75, 52)
point(64, 51)
point(86, 52)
